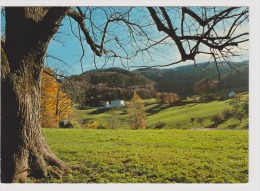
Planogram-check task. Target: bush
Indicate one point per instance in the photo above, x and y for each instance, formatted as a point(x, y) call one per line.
point(221, 97)
point(217, 118)
point(178, 125)
point(208, 97)
point(240, 110)
point(101, 127)
point(227, 113)
point(200, 120)
point(239, 114)
point(160, 125)
point(168, 98)
point(192, 120)
point(92, 125)
point(237, 97)
point(69, 124)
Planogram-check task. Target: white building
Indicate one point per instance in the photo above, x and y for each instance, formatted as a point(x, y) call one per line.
point(115, 103)
point(231, 94)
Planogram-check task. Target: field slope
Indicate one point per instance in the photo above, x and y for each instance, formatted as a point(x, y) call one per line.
point(173, 116)
point(151, 156)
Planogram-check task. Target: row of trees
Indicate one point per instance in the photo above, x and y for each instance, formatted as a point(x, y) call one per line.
point(94, 96)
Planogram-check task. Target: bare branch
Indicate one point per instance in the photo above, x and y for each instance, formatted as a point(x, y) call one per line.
point(56, 58)
point(80, 20)
point(208, 20)
point(83, 50)
point(155, 66)
point(170, 32)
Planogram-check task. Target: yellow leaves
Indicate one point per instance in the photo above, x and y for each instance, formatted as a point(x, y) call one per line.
point(136, 112)
point(55, 104)
point(92, 125)
point(168, 98)
point(64, 105)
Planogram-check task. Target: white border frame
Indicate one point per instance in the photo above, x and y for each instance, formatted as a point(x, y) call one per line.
point(254, 101)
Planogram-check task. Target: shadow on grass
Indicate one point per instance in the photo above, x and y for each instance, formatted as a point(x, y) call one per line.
point(99, 111)
point(154, 110)
point(159, 107)
point(212, 126)
point(232, 126)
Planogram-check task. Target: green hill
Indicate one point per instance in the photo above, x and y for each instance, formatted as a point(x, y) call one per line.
point(176, 116)
point(114, 77)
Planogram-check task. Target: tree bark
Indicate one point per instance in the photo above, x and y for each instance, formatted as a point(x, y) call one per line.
point(24, 150)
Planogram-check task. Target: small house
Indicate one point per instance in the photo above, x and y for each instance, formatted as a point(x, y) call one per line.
point(115, 104)
point(231, 94)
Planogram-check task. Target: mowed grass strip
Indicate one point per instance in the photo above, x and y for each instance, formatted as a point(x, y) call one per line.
point(151, 156)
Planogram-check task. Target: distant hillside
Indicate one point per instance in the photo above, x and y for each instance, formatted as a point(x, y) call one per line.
point(94, 86)
point(182, 79)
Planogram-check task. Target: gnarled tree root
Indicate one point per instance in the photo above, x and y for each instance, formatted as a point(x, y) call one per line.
point(37, 162)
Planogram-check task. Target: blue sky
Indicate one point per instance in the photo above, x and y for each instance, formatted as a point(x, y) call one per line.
point(66, 47)
point(71, 50)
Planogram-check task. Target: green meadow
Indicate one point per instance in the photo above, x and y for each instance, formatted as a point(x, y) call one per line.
point(180, 152)
point(151, 156)
point(176, 116)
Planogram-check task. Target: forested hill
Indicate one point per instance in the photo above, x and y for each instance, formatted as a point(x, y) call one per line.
point(94, 86)
point(114, 77)
point(182, 79)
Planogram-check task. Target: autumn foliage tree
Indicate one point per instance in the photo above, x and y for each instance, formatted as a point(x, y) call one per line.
point(168, 98)
point(217, 118)
point(55, 103)
point(136, 112)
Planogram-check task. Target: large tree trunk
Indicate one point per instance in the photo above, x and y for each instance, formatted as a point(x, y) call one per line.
point(24, 150)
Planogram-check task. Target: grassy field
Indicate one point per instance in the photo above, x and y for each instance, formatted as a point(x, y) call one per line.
point(151, 156)
point(174, 116)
